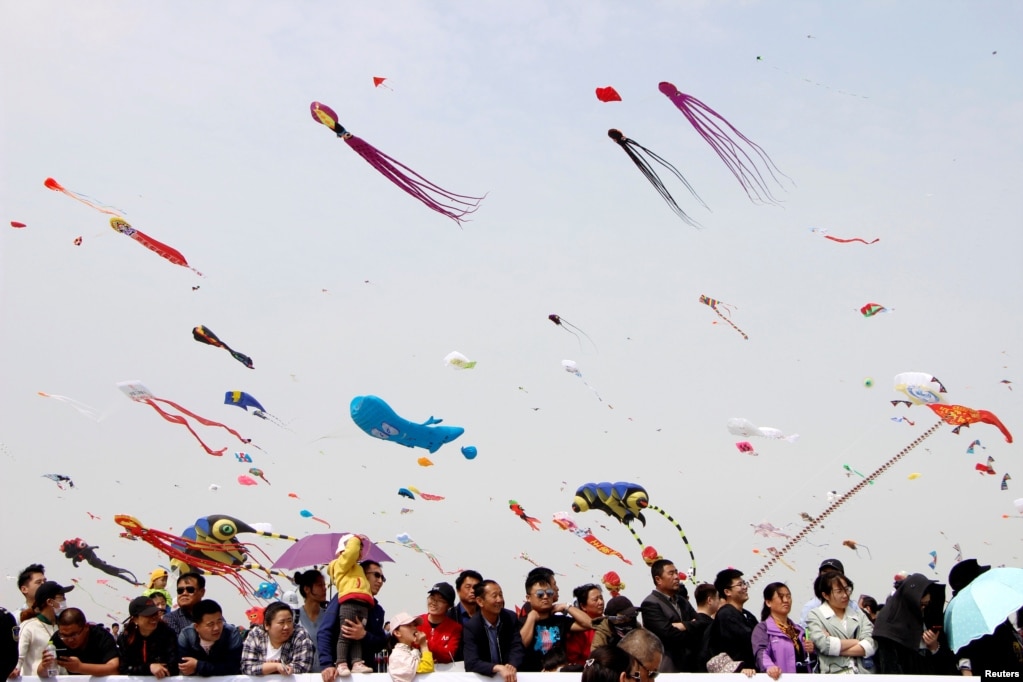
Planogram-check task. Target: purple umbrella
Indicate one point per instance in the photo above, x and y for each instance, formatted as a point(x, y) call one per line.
point(321, 548)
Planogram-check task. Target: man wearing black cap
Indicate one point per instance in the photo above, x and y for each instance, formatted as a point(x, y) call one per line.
point(36, 632)
point(83, 648)
point(826, 565)
point(443, 634)
point(1002, 649)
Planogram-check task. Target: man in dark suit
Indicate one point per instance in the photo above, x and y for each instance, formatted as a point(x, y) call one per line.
point(668, 614)
point(491, 641)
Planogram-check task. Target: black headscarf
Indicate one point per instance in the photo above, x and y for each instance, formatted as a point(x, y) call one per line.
point(901, 619)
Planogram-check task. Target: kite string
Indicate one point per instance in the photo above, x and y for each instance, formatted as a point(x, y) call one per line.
point(844, 498)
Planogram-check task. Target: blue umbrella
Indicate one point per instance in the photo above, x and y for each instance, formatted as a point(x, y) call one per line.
point(983, 605)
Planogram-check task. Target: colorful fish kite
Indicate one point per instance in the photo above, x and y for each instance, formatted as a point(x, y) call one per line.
point(960, 416)
point(50, 183)
point(78, 550)
point(746, 447)
point(245, 401)
point(717, 306)
point(572, 368)
point(871, 309)
point(922, 388)
point(639, 156)
point(714, 129)
point(159, 248)
point(454, 206)
point(1005, 481)
point(737, 426)
point(306, 514)
point(205, 335)
point(533, 522)
point(60, 480)
point(824, 233)
point(259, 472)
point(89, 412)
point(608, 94)
point(974, 444)
point(563, 521)
point(140, 394)
point(456, 360)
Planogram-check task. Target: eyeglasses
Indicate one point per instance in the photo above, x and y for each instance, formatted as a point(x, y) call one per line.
point(842, 590)
point(651, 674)
point(540, 594)
point(71, 635)
point(377, 574)
point(190, 589)
point(741, 585)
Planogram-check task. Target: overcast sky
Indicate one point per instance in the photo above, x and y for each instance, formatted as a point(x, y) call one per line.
point(897, 121)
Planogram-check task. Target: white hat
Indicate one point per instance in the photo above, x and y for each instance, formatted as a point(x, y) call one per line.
point(404, 618)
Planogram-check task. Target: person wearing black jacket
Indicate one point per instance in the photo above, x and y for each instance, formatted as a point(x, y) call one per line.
point(908, 631)
point(732, 630)
point(148, 646)
point(491, 641)
point(668, 614)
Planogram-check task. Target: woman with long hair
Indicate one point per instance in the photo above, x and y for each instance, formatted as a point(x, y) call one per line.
point(147, 645)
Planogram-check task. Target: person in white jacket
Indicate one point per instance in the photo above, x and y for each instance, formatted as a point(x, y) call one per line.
point(842, 636)
point(411, 653)
point(36, 631)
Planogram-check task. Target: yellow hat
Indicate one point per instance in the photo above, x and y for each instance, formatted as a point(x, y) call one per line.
point(157, 573)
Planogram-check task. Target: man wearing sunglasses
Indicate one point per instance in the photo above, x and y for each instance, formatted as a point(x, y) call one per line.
point(191, 590)
point(544, 629)
point(648, 652)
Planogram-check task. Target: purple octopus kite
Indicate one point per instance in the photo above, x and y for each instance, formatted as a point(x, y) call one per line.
point(741, 161)
point(412, 182)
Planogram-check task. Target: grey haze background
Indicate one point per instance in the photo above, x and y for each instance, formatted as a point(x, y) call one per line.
point(894, 119)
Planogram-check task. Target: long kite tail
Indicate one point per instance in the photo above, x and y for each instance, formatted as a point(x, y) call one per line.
point(635, 535)
point(730, 151)
point(868, 480)
point(50, 183)
point(713, 304)
point(682, 533)
point(454, 206)
point(178, 419)
point(854, 239)
point(633, 149)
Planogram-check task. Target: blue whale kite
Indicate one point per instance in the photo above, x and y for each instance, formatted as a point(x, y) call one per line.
point(376, 418)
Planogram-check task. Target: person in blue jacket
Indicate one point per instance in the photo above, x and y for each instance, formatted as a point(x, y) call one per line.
point(371, 633)
point(210, 646)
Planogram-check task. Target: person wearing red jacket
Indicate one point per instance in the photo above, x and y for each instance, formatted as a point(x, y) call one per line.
point(443, 633)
